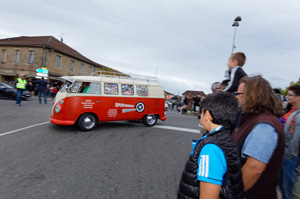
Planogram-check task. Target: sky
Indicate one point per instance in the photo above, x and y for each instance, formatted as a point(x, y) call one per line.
point(185, 43)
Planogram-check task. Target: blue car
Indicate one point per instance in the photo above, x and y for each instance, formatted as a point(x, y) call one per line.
point(7, 91)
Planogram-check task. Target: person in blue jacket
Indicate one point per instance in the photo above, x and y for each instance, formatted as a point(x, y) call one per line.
point(42, 88)
point(213, 169)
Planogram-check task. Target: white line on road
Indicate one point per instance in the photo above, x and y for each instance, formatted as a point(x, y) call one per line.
point(157, 126)
point(28, 127)
point(177, 128)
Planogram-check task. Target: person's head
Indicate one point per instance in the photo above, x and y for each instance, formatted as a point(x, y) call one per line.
point(276, 90)
point(236, 59)
point(222, 85)
point(293, 95)
point(221, 108)
point(43, 78)
point(255, 95)
point(214, 87)
point(22, 76)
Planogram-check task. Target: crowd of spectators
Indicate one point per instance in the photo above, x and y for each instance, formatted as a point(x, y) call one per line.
point(266, 133)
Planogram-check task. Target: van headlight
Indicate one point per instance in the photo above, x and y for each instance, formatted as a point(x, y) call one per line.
point(57, 109)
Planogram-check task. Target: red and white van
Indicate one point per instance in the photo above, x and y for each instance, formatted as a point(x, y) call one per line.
point(87, 100)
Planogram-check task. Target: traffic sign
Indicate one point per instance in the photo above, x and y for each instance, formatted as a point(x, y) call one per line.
point(42, 74)
point(40, 70)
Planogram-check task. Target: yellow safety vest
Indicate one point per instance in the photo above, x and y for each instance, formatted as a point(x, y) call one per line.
point(21, 84)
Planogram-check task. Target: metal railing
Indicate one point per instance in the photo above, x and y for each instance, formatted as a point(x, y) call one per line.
point(125, 76)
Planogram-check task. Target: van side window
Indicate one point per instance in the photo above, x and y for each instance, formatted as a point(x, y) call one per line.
point(95, 88)
point(111, 89)
point(127, 89)
point(142, 90)
point(85, 87)
point(75, 87)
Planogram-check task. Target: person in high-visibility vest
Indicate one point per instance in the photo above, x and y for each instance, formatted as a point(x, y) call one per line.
point(20, 87)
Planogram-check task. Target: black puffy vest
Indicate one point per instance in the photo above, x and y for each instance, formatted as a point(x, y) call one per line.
point(233, 184)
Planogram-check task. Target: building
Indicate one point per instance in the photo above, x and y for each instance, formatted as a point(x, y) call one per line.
point(194, 93)
point(24, 55)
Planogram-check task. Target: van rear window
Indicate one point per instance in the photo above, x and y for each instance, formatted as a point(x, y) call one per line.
point(111, 89)
point(127, 89)
point(142, 90)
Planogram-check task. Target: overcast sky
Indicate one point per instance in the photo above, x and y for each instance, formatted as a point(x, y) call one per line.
point(185, 43)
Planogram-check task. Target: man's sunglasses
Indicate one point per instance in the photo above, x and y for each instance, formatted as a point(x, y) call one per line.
point(237, 93)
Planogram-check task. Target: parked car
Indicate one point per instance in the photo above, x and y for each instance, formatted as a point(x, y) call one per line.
point(7, 91)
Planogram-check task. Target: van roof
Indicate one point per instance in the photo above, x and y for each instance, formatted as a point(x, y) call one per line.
point(113, 79)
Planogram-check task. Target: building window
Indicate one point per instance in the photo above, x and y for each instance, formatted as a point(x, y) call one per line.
point(72, 66)
point(17, 56)
point(81, 68)
point(31, 57)
point(90, 70)
point(4, 52)
point(58, 61)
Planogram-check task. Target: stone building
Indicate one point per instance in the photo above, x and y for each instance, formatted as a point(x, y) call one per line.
point(23, 55)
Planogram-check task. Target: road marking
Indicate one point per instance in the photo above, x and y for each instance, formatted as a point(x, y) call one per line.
point(177, 128)
point(156, 126)
point(28, 127)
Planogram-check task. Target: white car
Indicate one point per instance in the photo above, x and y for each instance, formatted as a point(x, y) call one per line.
point(167, 105)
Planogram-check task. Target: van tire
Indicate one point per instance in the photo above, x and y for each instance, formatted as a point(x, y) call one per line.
point(150, 120)
point(87, 122)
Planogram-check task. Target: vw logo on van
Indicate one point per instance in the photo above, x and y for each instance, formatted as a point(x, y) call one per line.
point(140, 107)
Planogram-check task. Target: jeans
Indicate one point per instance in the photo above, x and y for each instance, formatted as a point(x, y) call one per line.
point(45, 96)
point(19, 96)
point(296, 188)
point(287, 176)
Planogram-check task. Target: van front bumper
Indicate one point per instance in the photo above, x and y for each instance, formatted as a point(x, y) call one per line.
point(61, 122)
point(163, 118)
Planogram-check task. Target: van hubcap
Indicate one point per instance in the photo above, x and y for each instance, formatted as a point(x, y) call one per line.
point(150, 119)
point(89, 122)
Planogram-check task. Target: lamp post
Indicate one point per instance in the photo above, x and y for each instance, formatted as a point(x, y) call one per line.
point(235, 25)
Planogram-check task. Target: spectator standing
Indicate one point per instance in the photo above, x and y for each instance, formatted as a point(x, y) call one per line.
point(197, 103)
point(30, 88)
point(42, 88)
point(50, 93)
point(235, 63)
point(20, 86)
point(259, 137)
point(190, 102)
point(54, 91)
point(292, 139)
point(213, 169)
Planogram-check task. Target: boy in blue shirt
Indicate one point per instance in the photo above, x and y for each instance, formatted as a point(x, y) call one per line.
point(213, 169)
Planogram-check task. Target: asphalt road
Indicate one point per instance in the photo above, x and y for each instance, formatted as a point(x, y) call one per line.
point(40, 160)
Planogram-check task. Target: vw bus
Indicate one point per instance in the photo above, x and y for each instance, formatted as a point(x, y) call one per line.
point(87, 100)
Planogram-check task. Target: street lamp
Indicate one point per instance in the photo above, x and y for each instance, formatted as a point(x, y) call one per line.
point(235, 25)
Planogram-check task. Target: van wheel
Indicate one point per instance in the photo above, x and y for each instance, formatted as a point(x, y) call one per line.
point(149, 120)
point(87, 122)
